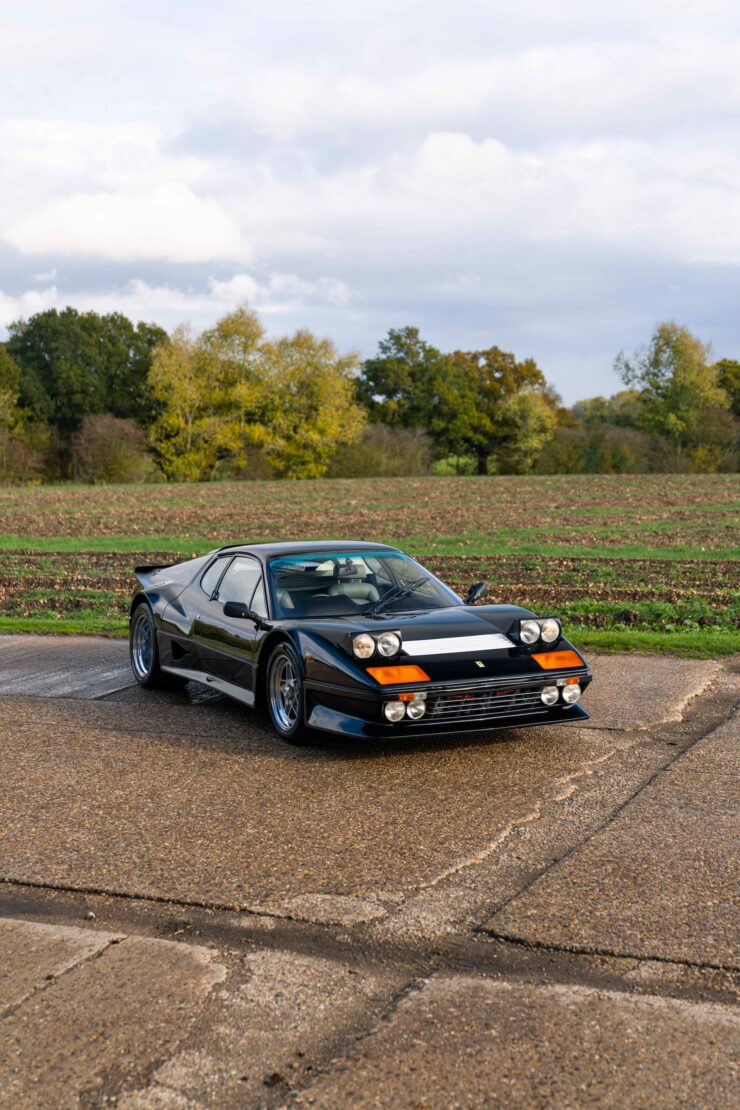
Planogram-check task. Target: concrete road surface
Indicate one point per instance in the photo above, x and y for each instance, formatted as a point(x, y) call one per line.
point(193, 914)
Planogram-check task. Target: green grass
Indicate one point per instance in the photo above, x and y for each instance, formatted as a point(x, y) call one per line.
point(90, 624)
point(136, 544)
point(522, 541)
point(692, 645)
point(696, 645)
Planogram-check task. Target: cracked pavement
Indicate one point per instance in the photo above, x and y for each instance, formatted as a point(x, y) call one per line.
point(194, 915)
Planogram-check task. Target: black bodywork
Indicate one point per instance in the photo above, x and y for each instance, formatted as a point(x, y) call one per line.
point(471, 691)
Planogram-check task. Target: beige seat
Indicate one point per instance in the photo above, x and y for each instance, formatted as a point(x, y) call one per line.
point(285, 600)
point(357, 591)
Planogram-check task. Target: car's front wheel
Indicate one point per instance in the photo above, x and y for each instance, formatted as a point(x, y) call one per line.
point(143, 647)
point(285, 695)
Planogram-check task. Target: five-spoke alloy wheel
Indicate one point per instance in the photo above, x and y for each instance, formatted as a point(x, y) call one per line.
point(285, 695)
point(143, 647)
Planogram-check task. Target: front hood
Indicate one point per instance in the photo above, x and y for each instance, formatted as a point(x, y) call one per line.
point(450, 644)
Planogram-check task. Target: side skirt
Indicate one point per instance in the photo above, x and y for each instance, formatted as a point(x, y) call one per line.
point(220, 684)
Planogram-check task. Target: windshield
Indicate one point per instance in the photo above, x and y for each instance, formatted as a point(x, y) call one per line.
point(342, 584)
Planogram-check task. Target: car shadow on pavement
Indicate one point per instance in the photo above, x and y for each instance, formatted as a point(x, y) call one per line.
point(251, 728)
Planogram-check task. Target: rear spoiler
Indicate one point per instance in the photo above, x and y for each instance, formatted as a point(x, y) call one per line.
point(145, 573)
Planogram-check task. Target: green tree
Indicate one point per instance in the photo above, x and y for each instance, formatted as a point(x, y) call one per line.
point(19, 457)
point(728, 376)
point(677, 383)
point(411, 384)
point(77, 364)
point(493, 378)
point(458, 398)
point(232, 355)
point(622, 409)
point(10, 376)
point(530, 422)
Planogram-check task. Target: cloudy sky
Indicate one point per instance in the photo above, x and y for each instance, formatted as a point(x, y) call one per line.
point(552, 178)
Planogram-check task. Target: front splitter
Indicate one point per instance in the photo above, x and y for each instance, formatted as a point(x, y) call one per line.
point(331, 720)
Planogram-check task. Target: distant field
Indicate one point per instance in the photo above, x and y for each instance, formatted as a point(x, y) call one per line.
point(643, 561)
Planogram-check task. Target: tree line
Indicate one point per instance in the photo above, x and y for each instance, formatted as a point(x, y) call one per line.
point(94, 397)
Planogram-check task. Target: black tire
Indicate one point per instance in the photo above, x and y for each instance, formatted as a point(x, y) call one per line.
point(143, 648)
point(284, 696)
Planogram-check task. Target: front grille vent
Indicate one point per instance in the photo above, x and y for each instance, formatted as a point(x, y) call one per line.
point(484, 705)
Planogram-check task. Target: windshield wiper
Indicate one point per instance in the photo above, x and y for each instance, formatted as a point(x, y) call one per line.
point(395, 594)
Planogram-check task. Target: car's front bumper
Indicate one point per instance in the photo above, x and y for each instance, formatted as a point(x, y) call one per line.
point(452, 708)
point(333, 720)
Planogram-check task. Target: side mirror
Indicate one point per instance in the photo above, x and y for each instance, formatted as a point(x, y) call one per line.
point(239, 611)
point(476, 592)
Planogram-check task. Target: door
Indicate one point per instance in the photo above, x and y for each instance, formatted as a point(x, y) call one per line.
point(227, 645)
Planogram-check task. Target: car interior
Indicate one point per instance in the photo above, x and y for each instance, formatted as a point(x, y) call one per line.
point(328, 588)
point(345, 585)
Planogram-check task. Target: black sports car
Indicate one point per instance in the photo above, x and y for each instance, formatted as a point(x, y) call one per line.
point(351, 638)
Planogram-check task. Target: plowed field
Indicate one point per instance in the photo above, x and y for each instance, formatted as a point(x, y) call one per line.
point(624, 559)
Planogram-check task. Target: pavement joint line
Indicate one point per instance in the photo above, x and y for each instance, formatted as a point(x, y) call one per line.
point(342, 1049)
point(47, 982)
point(612, 816)
point(469, 952)
point(577, 950)
point(68, 888)
point(157, 899)
point(578, 971)
point(347, 1052)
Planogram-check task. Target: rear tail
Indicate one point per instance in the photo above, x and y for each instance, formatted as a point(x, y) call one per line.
point(146, 574)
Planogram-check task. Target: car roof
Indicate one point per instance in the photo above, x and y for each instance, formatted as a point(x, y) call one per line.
point(268, 551)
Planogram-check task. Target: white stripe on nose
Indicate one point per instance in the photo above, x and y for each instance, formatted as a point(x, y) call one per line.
point(457, 644)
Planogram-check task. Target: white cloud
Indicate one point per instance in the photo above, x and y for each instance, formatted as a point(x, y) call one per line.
point(168, 223)
point(639, 86)
point(482, 166)
point(454, 199)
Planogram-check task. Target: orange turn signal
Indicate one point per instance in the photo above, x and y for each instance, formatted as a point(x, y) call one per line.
point(556, 660)
point(391, 676)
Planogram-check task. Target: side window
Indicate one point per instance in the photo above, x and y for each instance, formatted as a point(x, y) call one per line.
point(239, 581)
point(209, 581)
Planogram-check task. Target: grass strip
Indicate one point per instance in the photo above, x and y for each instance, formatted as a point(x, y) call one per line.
point(690, 645)
point(184, 547)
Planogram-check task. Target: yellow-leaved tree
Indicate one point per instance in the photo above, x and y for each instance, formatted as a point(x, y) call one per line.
point(309, 405)
point(183, 433)
point(232, 400)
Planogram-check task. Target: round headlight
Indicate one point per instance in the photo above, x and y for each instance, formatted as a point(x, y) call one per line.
point(549, 694)
point(571, 693)
point(416, 709)
point(394, 710)
point(529, 632)
point(389, 643)
point(363, 645)
point(550, 630)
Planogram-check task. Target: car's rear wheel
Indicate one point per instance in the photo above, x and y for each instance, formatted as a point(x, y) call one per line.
point(143, 648)
point(284, 689)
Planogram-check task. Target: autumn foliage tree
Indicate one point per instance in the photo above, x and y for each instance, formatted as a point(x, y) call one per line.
point(230, 392)
point(463, 400)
